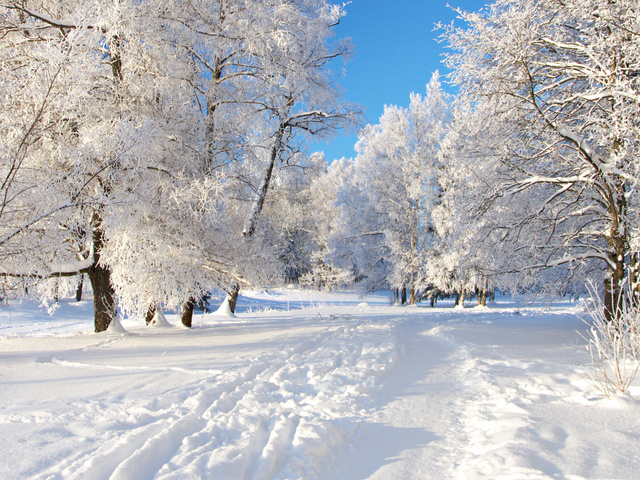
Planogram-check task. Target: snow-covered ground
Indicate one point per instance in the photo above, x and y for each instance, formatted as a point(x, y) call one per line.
point(309, 385)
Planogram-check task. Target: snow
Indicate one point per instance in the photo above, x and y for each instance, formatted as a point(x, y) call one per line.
point(310, 385)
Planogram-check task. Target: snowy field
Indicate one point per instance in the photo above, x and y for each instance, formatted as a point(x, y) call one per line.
point(308, 385)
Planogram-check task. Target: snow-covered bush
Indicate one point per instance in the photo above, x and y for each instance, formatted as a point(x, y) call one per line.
point(614, 345)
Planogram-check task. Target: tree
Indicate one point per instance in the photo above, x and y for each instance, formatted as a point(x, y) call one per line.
point(154, 125)
point(301, 95)
point(95, 129)
point(396, 173)
point(558, 82)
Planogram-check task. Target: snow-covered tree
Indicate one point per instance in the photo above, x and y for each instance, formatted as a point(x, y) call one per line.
point(93, 125)
point(395, 174)
point(558, 81)
point(141, 131)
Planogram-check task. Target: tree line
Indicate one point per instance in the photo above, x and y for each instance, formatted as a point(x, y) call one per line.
point(527, 179)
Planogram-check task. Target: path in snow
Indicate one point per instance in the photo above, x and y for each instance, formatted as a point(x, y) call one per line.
point(400, 440)
point(492, 395)
point(276, 411)
point(331, 389)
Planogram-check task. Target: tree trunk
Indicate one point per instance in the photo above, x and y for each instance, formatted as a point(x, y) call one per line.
point(413, 297)
point(104, 301)
point(79, 288)
point(151, 312)
point(485, 290)
point(261, 193)
point(482, 292)
point(457, 299)
point(403, 294)
point(187, 312)
point(613, 291)
point(233, 297)
point(462, 297)
point(104, 297)
point(634, 279)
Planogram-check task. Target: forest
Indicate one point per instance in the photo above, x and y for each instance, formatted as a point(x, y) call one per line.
point(160, 150)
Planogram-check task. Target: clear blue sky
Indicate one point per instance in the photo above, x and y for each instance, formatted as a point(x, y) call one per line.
point(396, 52)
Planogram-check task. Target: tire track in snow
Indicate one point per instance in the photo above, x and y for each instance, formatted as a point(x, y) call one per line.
point(276, 417)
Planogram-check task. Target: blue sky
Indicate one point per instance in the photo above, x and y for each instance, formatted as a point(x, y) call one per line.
point(396, 52)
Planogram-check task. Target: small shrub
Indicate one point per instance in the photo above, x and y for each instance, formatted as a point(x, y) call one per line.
point(614, 346)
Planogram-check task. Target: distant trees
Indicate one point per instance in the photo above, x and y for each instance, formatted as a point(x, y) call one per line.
point(387, 228)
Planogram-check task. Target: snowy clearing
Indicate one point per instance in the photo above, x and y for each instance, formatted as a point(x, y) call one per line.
point(309, 385)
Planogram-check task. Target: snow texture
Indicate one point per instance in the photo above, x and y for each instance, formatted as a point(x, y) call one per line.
point(309, 385)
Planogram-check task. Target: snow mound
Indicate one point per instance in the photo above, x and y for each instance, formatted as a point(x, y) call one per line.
point(159, 319)
point(224, 310)
point(116, 326)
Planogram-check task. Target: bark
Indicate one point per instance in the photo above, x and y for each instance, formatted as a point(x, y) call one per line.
point(187, 312)
point(151, 312)
point(258, 202)
point(485, 287)
point(233, 297)
point(413, 294)
point(403, 294)
point(634, 279)
point(462, 297)
point(482, 292)
point(79, 288)
point(104, 298)
point(618, 243)
point(613, 288)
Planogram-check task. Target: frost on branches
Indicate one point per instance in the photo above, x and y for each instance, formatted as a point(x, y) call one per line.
point(137, 136)
point(391, 189)
point(555, 85)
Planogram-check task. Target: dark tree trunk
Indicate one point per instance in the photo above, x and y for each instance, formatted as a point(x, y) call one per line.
point(403, 294)
point(233, 297)
point(104, 301)
point(79, 288)
point(485, 287)
point(104, 297)
point(613, 294)
point(619, 247)
point(151, 312)
point(482, 293)
point(187, 312)
point(634, 280)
